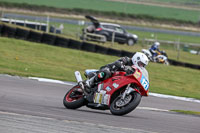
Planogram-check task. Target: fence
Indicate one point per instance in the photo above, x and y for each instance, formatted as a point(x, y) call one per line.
point(25, 23)
point(51, 39)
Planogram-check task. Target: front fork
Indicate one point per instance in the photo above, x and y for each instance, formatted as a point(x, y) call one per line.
point(127, 91)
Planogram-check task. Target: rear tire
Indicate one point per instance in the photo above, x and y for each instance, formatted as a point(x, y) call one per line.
point(73, 102)
point(134, 102)
point(130, 42)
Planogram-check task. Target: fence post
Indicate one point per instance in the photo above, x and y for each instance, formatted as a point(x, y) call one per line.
point(113, 38)
point(47, 28)
point(178, 48)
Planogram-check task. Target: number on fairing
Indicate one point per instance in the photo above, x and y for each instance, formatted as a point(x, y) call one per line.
point(144, 83)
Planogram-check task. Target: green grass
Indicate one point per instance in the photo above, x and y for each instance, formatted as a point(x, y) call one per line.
point(18, 57)
point(187, 112)
point(137, 9)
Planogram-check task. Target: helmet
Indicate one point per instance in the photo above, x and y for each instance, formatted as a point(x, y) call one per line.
point(157, 44)
point(140, 59)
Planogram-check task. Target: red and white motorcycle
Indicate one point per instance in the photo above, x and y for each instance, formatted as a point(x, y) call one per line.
point(121, 93)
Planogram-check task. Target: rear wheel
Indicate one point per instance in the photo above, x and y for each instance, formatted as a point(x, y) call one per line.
point(123, 106)
point(74, 98)
point(130, 42)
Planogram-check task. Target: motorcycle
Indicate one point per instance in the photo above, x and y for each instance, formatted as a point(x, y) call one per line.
point(160, 58)
point(121, 93)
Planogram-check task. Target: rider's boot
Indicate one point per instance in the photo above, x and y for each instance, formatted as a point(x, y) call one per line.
point(89, 83)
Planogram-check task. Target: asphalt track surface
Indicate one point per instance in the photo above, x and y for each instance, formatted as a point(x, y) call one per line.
point(30, 106)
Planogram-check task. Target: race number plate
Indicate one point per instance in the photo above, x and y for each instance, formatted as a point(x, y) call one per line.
point(144, 83)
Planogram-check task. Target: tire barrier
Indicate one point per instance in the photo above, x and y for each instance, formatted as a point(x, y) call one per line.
point(126, 53)
point(21, 33)
point(176, 63)
point(74, 44)
point(61, 41)
point(48, 39)
point(182, 64)
point(1, 27)
point(114, 52)
point(192, 66)
point(8, 31)
point(35, 36)
point(101, 49)
point(88, 47)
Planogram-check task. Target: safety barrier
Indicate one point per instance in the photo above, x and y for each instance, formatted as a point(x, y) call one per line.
point(48, 39)
point(8, 31)
point(74, 44)
point(21, 33)
point(88, 47)
point(101, 49)
point(114, 52)
point(61, 41)
point(51, 39)
point(35, 36)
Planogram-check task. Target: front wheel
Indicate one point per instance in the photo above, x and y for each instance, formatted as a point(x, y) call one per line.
point(74, 98)
point(124, 106)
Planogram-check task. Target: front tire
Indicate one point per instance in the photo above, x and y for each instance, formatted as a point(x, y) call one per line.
point(73, 99)
point(133, 98)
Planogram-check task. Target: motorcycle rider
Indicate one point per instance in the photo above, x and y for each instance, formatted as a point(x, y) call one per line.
point(155, 50)
point(138, 60)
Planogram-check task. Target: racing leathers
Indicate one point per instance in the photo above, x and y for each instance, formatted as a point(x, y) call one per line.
point(106, 71)
point(154, 50)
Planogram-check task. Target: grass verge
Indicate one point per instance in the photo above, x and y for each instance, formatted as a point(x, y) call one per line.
point(113, 8)
point(18, 57)
point(187, 112)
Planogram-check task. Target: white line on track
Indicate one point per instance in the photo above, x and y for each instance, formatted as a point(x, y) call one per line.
point(151, 94)
point(175, 97)
point(153, 109)
point(50, 80)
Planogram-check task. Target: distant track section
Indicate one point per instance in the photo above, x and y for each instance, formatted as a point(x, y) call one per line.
point(137, 28)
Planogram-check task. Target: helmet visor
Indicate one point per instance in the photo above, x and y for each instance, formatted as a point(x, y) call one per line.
point(140, 64)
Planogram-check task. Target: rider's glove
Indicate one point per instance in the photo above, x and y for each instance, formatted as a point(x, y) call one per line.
point(118, 65)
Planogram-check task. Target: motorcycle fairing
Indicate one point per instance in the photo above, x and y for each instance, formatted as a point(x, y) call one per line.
point(102, 98)
point(107, 87)
point(144, 82)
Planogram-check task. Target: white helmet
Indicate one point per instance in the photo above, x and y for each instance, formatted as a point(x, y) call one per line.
point(157, 44)
point(140, 59)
